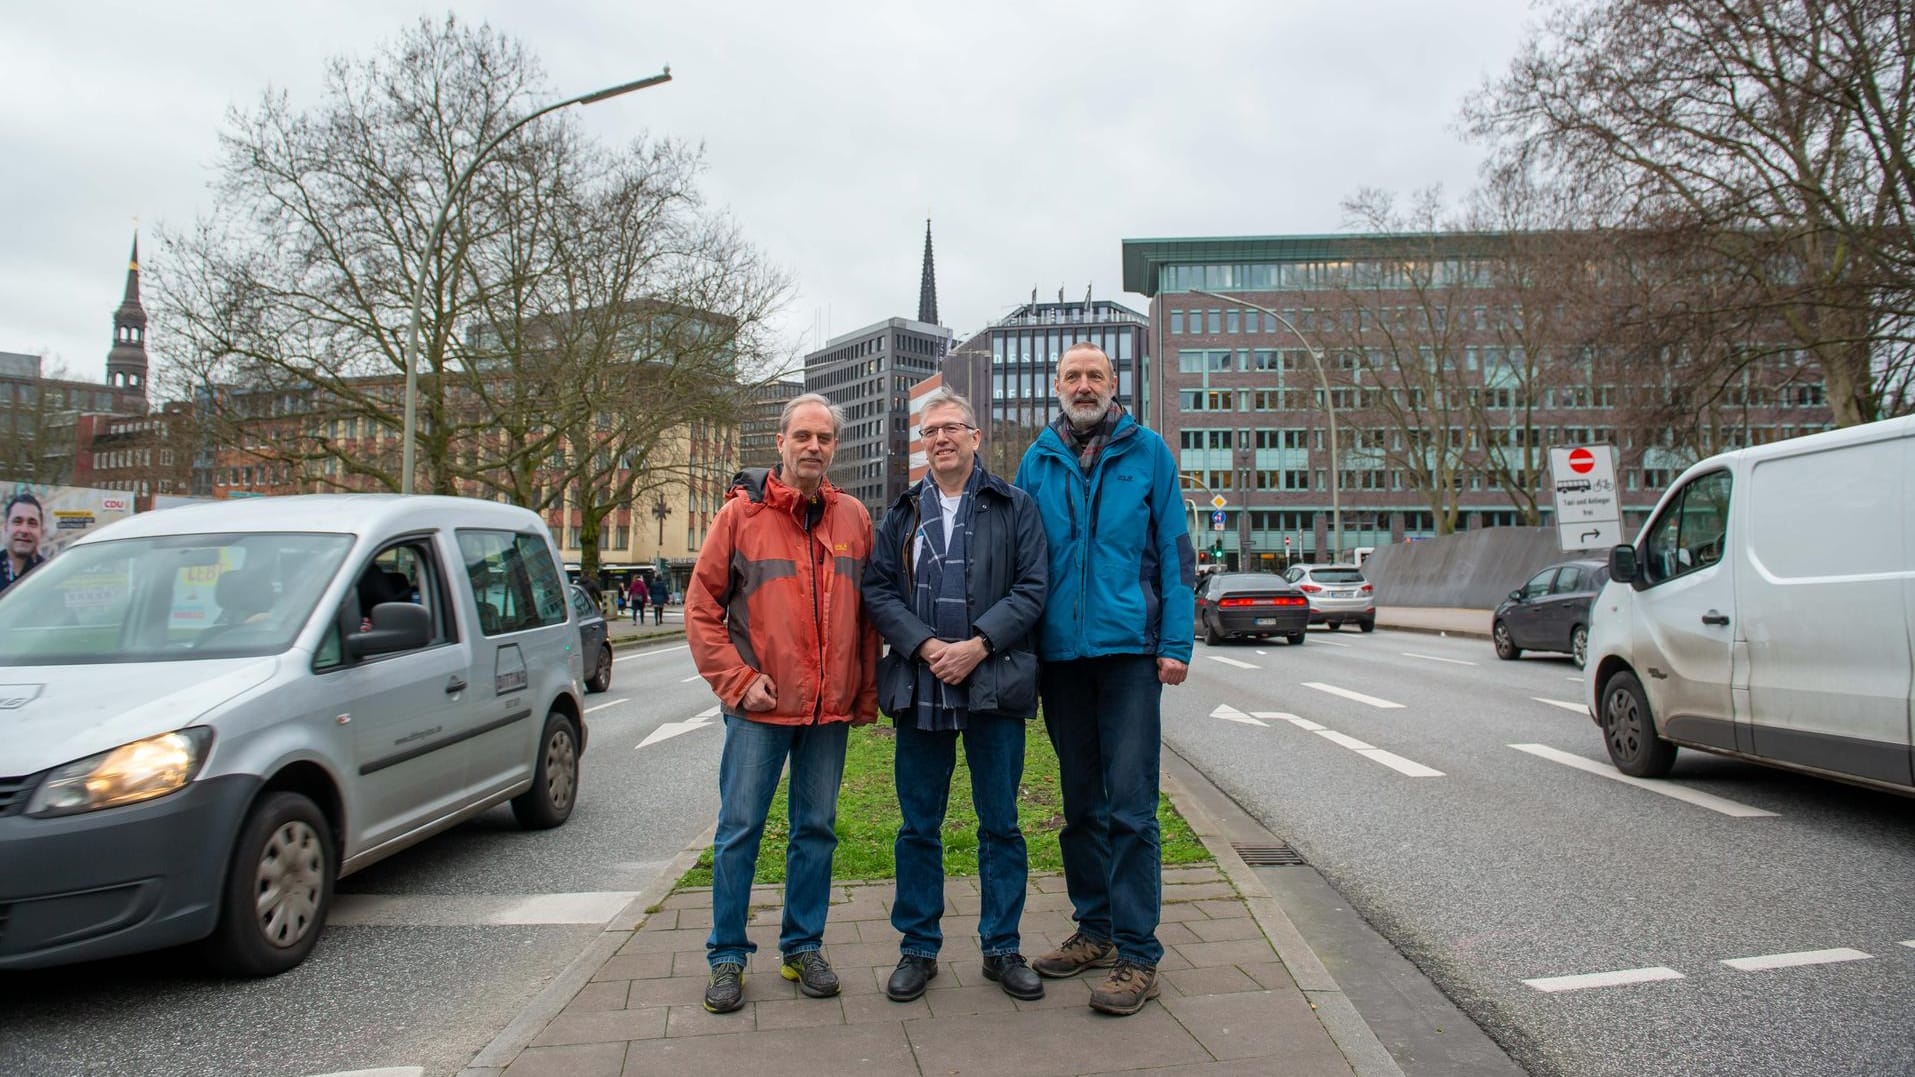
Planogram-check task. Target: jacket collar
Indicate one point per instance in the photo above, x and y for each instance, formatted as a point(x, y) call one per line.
point(1053, 442)
point(763, 487)
point(991, 485)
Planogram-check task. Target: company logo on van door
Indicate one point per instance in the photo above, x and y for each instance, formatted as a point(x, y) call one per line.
point(15, 696)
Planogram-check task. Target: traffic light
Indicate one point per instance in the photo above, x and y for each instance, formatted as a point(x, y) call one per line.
point(1216, 551)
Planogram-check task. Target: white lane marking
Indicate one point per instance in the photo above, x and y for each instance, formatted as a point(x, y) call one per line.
point(1231, 714)
point(1575, 679)
point(1263, 652)
point(383, 1071)
point(1679, 792)
point(668, 730)
point(693, 677)
point(649, 652)
point(1231, 662)
point(1579, 708)
point(1345, 740)
point(1801, 957)
point(477, 910)
point(1619, 978)
point(1380, 704)
point(1331, 642)
point(1907, 942)
point(1433, 658)
point(608, 703)
point(1300, 723)
point(1408, 767)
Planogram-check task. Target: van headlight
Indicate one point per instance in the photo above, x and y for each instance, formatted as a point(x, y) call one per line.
point(128, 774)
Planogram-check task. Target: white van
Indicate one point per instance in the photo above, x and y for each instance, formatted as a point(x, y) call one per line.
point(1767, 612)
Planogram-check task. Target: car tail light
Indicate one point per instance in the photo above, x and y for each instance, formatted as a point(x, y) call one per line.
point(1308, 588)
point(1240, 603)
point(1367, 588)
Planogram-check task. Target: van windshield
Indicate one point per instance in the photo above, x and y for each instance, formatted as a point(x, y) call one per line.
point(168, 598)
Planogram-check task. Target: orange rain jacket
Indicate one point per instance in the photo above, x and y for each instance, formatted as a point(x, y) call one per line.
point(771, 596)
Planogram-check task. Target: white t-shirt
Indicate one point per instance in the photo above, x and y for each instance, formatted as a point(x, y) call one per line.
point(949, 505)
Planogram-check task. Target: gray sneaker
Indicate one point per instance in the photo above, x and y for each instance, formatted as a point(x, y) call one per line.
point(1078, 953)
point(811, 972)
point(726, 990)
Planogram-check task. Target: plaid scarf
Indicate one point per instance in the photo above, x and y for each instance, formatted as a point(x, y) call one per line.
point(1088, 444)
point(940, 598)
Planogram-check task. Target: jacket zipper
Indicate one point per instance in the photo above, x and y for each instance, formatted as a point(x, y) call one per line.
point(817, 617)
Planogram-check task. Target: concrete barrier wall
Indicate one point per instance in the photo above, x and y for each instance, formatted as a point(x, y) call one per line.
point(1472, 570)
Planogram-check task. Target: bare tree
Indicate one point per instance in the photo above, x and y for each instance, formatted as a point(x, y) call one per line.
point(1772, 135)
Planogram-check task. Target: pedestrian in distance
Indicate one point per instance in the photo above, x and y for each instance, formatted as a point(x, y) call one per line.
point(777, 628)
point(955, 586)
point(661, 592)
point(1117, 628)
point(636, 597)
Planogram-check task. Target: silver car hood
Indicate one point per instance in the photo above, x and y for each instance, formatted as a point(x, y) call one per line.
point(51, 715)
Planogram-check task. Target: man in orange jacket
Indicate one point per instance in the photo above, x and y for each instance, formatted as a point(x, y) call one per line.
point(777, 627)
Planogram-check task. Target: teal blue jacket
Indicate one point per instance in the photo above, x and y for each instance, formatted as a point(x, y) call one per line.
point(1122, 567)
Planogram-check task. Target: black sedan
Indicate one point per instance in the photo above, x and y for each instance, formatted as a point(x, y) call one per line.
point(592, 641)
point(1550, 612)
point(1233, 604)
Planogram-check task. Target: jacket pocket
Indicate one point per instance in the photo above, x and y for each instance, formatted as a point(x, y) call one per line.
point(897, 684)
point(1007, 684)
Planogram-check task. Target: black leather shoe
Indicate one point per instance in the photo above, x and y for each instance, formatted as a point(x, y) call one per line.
point(910, 978)
point(1016, 977)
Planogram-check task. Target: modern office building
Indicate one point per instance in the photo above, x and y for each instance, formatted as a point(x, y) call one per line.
point(758, 426)
point(1423, 353)
point(869, 373)
point(1008, 370)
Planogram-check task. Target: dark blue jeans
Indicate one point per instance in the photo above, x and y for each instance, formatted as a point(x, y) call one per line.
point(1104, 718)
point(748, 771)
point(922, 768)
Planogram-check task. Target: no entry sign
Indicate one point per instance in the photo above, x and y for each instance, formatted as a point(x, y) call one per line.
point(1583, 483)
point(1582, 461)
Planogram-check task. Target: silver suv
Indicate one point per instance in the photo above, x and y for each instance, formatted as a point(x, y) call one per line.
point(1338, 595)
point(219, 710)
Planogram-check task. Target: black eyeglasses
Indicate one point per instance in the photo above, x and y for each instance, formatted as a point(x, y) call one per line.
point(953, 429)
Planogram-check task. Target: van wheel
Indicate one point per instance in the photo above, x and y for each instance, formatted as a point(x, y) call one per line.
point(1212, 637)
point(1629, 732)
point(1506, 648)
point(1579, 645)
point(601, 678)
point(554, 777)
point(278, 887)
point(1295, 638)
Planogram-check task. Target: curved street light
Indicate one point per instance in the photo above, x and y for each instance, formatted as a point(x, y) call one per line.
point(438, 231)
point(1329, 405)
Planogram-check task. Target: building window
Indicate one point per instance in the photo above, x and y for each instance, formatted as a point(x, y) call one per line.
point(1176, 322)
point(1216, 321)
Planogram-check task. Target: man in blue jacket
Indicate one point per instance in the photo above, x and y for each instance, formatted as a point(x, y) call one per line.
point(1116, 628)
point(955, 583)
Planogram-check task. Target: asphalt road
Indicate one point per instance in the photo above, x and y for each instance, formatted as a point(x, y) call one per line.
point(1509, 869)
point(429, 953)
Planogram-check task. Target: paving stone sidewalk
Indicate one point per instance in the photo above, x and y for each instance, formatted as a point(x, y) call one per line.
point(1228, 1006)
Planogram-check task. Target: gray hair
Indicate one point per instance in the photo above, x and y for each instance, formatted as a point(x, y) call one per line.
point(836, 412)
point(948, 399)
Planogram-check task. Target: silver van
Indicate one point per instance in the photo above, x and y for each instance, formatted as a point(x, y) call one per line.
point(1767, 612)
point(209, 714)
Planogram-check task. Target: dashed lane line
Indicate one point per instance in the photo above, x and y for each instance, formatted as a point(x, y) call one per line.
point(691, 678)
point(1578, 708)
point(1372, 701)
point(1764, 962)
point(1231, 714)
point(1664, 788)
point(1575, 679)
point(650, 651)
point(1232, 662)
point(1407, 767)
point(1433, 658)
point(1300, 723)
point(1330, 642)
point(1618, 978)
point(608, 703)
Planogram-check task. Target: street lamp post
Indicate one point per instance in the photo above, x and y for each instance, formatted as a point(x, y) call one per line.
point(438, 230)
point(1329, 406)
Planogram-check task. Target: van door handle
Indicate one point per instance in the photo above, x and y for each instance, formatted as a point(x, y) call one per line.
point(1714, 618)
point(457, 684)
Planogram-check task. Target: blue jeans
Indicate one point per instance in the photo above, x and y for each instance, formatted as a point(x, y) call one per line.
point(755, 754)
point(1104, 718)
point(994, 747)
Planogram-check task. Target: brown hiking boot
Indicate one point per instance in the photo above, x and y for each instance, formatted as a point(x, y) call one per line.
point(1078, 953)
point(1125, 990)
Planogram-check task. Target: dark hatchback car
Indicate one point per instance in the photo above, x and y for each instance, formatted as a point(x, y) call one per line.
point(1234, 604)
point(594, 645)
point(1550, 612)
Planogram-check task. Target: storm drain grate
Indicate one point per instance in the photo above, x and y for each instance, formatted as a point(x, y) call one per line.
point(1267, 855)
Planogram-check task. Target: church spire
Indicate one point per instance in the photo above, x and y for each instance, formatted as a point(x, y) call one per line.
point(126, 362)
point(928, 285)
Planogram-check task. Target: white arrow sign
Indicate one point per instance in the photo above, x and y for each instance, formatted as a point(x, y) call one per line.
point(672, 729)
point(1231, 714)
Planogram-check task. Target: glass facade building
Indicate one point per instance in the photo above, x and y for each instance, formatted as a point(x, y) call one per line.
point(869, 373)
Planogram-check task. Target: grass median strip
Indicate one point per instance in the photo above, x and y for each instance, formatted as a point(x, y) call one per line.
point(868, 816)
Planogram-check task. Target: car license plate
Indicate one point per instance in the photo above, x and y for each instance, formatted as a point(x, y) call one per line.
point(1266, 620)
point(1342, 594)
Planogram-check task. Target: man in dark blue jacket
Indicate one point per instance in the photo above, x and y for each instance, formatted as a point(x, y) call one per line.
point(955, 585)
point(1116, 628)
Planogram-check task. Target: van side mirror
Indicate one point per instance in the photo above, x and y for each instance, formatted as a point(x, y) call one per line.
point(396, 626)
point(1622, 564)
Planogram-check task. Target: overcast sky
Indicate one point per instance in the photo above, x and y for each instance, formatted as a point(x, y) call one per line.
point(1037, 136)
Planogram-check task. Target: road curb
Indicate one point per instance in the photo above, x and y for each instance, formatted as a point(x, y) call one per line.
point(532, 1018)
point(1348, 1030)
point(633, 643)
point(1431, 630)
